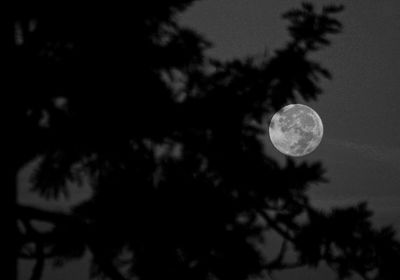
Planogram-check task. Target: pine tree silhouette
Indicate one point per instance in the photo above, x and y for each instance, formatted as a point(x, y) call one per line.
point(169, 139)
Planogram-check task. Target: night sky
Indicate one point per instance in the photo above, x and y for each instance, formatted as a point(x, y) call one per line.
point(359, 107)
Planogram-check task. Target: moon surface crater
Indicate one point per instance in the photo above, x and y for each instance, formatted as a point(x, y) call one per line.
point(296, 130)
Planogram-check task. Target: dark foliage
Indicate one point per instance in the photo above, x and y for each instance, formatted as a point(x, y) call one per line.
point(170, 141)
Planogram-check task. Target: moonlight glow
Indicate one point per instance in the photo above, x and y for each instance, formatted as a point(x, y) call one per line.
point(296, 130)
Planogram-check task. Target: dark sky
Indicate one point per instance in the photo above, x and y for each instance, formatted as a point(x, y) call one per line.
point(359, 107)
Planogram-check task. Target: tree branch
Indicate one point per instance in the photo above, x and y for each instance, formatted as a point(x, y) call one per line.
point(40, 261)
point(275, 226)
point(31, 213)
point(280, 256)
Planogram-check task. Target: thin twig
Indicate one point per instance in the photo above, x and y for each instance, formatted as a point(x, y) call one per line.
point(30, 213)
point(40, 261)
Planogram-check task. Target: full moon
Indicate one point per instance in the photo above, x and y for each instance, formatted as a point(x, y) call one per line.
point(296, 130)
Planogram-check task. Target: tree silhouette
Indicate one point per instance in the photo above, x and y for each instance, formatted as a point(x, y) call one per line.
point(170, 141)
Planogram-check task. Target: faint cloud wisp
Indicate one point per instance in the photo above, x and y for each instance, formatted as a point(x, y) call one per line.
point(390, 155)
